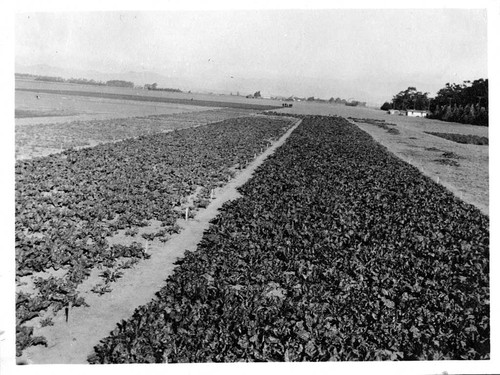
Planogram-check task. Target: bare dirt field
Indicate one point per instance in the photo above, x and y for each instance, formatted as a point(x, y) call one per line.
point(40, 85)
point(464, 170)
point(55, 108)
point(40, 89)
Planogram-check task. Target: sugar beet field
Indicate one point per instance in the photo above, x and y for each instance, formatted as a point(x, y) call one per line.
point(335, 250)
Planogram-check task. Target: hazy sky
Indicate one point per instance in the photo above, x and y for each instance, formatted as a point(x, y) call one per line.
point(367, 54)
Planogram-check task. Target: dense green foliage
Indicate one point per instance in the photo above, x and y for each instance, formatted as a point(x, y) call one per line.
point(337, 250)
point(386, 106)
point(410, 99)
point(468, 93)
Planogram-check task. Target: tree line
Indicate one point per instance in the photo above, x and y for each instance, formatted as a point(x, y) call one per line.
point(80, 81)
point(347, 102)
point(154, 87)
point(465, 103)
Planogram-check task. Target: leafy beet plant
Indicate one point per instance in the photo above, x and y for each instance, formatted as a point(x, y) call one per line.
point(336, 251)
point(69, 204)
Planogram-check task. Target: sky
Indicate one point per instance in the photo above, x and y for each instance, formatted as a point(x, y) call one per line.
point(363, 53)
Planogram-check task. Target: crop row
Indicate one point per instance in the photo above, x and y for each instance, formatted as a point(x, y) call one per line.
point(337, 250)
point(470, 139)
point(79, 133)
point(69, 204)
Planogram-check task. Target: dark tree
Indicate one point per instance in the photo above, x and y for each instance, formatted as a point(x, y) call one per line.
point(386, 106)
point(465, 103)
point(119, 83)
point(410, 99)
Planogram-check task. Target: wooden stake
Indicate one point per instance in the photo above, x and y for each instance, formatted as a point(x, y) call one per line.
point(187, 213)
point(66, 310)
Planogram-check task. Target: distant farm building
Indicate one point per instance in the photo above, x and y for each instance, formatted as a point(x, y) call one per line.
point(408, 112)
point(287, 105)
point(416, 113)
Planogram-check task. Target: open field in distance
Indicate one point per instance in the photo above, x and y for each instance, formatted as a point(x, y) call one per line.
point(56, 108)
point(145, 95)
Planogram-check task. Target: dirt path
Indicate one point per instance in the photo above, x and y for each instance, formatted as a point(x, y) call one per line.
point(72, 341)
